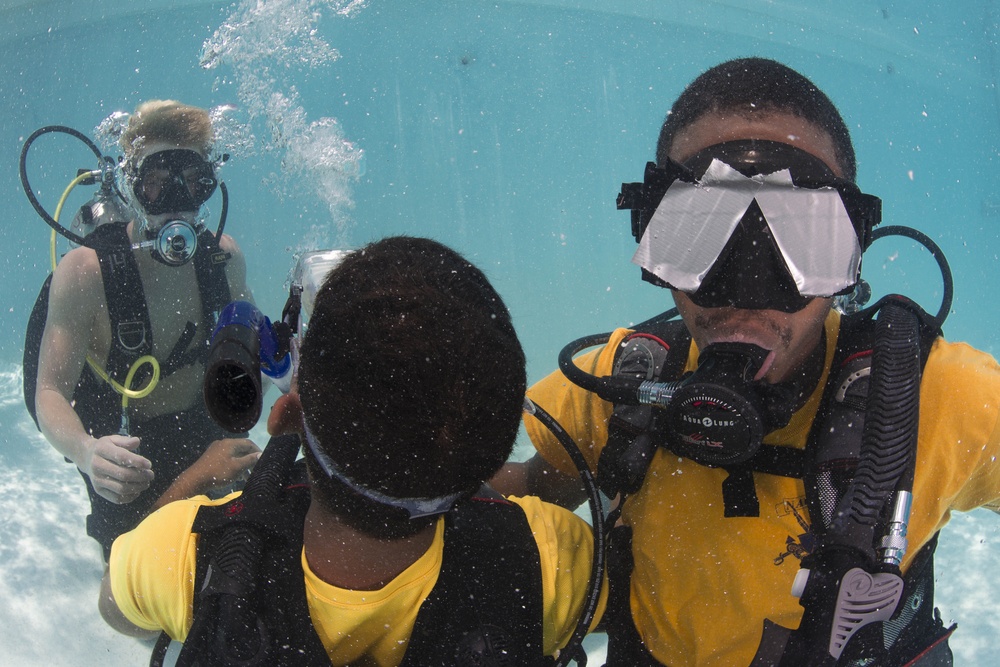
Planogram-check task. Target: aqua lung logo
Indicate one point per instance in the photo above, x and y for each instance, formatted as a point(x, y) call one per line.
point(708, 422)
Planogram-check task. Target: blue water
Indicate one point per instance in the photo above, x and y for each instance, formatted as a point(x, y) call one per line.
point(504, 129)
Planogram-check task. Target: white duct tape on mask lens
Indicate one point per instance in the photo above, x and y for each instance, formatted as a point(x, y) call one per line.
point(693, 223)
point(813, 231)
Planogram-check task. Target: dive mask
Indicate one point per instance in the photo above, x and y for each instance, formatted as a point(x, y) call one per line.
point(750, 224)
point(173, 181)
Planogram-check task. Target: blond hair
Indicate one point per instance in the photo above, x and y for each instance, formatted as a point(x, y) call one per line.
point(167, 121)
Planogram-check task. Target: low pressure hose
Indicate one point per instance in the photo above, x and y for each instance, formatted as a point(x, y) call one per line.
point(30, 193)
point(575, 644)
point(935, 250)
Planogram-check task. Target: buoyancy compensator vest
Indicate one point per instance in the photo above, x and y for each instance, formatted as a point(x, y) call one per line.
point(250, 604)
point(857, 468)
point(95, 401)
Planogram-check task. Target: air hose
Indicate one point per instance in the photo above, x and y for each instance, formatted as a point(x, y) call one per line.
point(230, 582)
point(574, 648)
point(23, 170)
point(935, 250)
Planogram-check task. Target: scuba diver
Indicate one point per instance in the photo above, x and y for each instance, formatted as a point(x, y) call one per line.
point(387, 548)
point(765, 444)
point(132, 307)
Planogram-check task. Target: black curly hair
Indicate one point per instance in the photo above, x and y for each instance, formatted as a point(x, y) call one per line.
point(411, 378)
point(758, 86)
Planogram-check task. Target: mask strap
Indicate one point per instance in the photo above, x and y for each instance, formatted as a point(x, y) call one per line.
point(415, 507)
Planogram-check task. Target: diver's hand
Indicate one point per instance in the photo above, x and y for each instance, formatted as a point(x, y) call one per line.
point(224, 463)
point(116, 471)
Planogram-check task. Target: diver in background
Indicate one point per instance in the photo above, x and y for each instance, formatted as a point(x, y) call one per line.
point(151, 284)
point(409, 391)
point(751, 218)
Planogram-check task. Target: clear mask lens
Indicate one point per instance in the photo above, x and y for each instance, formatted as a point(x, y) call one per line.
point(309, 274)
point(174, 181)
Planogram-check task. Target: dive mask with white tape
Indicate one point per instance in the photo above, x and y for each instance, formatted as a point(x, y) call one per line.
point(750, 224)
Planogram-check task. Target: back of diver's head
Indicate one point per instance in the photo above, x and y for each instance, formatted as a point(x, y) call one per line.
point(411, 378)
point(757, 86)
point(167, 121)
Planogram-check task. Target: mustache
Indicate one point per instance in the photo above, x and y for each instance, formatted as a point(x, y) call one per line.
point(727, 320)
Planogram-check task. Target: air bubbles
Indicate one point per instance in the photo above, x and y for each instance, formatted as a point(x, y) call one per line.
point(233, 133)
point(265, 44)
point(110, 130)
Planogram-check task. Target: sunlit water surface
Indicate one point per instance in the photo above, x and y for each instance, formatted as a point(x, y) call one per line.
point(503, 129)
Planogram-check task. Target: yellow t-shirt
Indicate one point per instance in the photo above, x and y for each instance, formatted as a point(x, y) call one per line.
point(703, 583)
point(152, 575)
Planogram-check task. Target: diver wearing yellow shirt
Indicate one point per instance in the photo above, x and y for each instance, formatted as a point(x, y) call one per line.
point(159, 556)
point(409, 391)
point(785, 471)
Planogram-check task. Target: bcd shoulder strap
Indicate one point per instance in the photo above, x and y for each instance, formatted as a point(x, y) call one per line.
point(487, 608)
point(129, 328)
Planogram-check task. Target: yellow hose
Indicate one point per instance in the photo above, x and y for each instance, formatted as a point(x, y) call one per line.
point(62, 201)
point(125, 390)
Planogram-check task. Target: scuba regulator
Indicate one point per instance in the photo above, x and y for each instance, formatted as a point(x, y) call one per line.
point(717, 416)
point(190, 183)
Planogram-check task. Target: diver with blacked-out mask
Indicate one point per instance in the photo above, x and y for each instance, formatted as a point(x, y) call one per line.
point(780, 437)
point(120, 346)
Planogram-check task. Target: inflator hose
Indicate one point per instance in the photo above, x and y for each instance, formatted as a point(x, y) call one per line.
point(573, 373)
point(889, 440)
point(234, 573)
point(225, 210)
point(597, 513)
